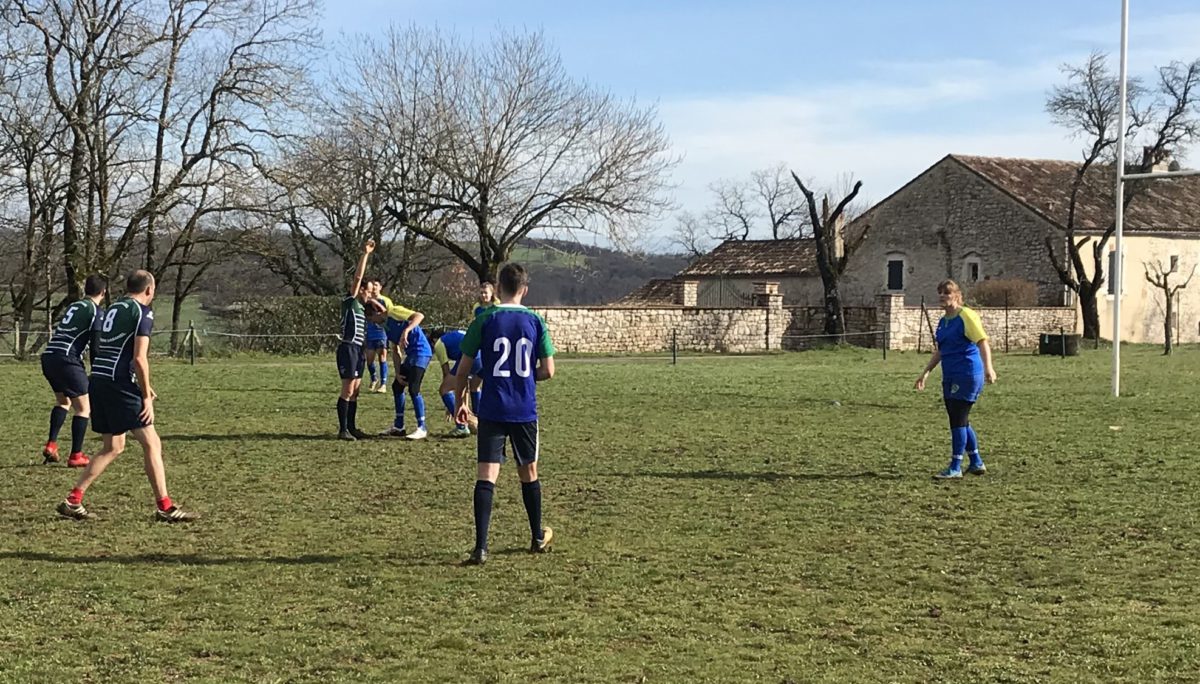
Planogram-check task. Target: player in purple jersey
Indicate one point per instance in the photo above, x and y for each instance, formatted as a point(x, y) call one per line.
point(62, 366)
point(516, 351)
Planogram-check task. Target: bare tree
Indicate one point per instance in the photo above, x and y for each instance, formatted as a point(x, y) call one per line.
point(507, 143)
point(1160, 277)
point(741, 207)
point(733, 214)
point(689, 236)
point(833, 251)
point(1165, 118)
point(783, 207)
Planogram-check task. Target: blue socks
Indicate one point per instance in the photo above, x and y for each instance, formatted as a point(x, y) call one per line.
point(958, 446)
point(371, 370)
point(484, 491)
point(449, 403)
point(475, 397)
point(383, 373)
point(398, 399)
point(973, 447)
point(419, 409)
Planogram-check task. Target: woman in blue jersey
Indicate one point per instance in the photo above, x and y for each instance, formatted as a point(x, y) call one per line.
point(966, 358)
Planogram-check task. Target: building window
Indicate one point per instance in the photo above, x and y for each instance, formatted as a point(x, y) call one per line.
point(895, 273)
point(1174, 263)
point(972, 271)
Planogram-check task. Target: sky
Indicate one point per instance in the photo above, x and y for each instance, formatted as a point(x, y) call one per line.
point(879, 89)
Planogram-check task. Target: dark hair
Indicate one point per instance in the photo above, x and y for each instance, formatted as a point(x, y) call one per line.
point(94, 285)
point(373, 279)
point(512, 278)
point(138, 281)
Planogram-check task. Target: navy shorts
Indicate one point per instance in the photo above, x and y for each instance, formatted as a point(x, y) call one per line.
point(65, 375)
point(963, 387)
point(476, 366)
point(350, 361)
point(116, 407)
point(377, 343)
point(523, 436)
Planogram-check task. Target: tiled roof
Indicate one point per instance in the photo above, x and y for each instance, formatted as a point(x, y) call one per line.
point(1166, 205)
point(795, 257)
point(655, 292)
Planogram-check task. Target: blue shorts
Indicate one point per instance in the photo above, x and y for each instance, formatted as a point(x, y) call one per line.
point(421, 362)
point(963, 387)
point(476, 366)
point(116, 406)
point(493, 435)
point(350, 361)
point(376, 343)
point(65, 375)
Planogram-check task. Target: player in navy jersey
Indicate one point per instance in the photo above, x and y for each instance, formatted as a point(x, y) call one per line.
point(447, 353)
point(62, 366)
point(517, 353)
point(411, 354)
point(966, 358)
point(350, 349)
point(123, 399)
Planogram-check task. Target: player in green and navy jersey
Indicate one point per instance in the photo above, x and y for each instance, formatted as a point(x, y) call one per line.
point(350, 359)
point(966, 359)
point(516, 352)
point(122, 398)
point(62, 366)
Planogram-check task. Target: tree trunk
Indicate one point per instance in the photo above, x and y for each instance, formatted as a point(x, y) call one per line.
point(1167, 324)
point(835, 320)
point(177, 309)
point(1090, 312)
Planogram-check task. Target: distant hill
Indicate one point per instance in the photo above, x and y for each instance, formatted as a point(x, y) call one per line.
point(571, 274)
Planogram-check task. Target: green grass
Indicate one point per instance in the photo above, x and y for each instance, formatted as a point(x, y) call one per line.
point(718, 520)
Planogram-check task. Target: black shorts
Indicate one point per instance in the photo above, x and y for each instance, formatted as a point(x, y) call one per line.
point(410, 376)
point(350, 361)
point(116, 407)
point(523, 436)
point(65, 375)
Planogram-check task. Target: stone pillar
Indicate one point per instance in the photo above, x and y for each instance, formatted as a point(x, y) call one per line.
point(888, 317)
point(687, 292)
point(766, 293)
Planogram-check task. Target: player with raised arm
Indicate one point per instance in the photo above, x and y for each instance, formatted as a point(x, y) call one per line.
point(123, 399)
point(350, 349)
point(511, 340)
point(62, 366)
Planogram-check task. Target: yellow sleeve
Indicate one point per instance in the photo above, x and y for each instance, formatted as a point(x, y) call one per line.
point(972, 326)
point(399, 313)
point(439, 353)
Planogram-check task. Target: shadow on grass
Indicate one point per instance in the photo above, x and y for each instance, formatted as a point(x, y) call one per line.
point(761, 476)
point(285, 436)
point(170, 559)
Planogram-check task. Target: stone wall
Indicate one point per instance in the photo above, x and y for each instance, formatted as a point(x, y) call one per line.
point(909, 327)
point(639, 330)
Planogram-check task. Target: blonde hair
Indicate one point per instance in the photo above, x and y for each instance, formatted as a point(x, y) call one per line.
point(950, 287)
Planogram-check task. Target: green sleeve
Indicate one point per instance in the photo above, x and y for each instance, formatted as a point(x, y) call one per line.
point(545, 347)
point(472, 340)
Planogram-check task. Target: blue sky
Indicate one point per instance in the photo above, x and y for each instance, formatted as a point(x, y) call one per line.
point(878, 89)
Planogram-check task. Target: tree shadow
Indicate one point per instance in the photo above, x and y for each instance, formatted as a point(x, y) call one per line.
point(171, 559)
point(762, 476)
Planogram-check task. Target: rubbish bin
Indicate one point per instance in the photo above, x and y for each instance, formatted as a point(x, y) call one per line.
point(1059, 344)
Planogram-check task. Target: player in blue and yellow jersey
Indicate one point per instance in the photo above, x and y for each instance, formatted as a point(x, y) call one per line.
point(411, 354)
point(447, 353)
point(517, 353)
point(377, 341)
point(350, 349)
point(62, 365)
point(122, 398)
point(966, 358)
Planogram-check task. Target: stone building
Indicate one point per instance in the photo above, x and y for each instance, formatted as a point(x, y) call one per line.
point(977, 218)
point(726, 275)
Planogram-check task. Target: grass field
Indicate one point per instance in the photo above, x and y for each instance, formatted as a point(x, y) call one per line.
point(726, 519)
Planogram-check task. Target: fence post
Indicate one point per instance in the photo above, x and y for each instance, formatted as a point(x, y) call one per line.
point(1062, 340)
point(921, 330)
point(192, 341)
point(16, 338)
point(674, 348)
point(1006, 321)
point(887, 338)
